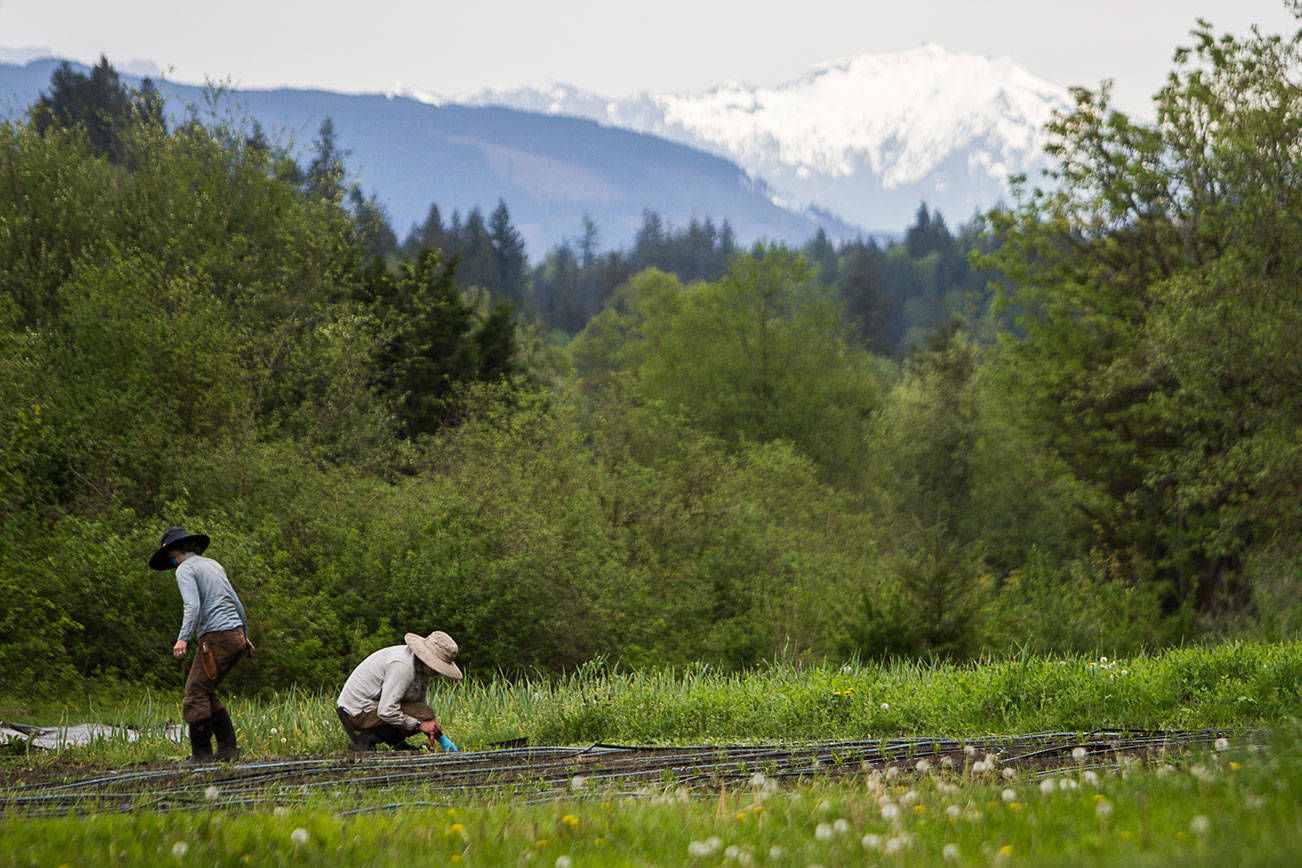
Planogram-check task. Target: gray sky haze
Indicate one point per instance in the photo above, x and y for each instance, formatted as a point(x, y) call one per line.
point(612, 47)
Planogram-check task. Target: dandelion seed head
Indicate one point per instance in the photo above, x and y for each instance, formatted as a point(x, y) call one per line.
point(953, 812)
point(273, 730)
point(886, 706)
point(211, 793)
point(1046, 786)
point(908, 798)
point(578, 782)
point(179, 849)
point(1103, 808)
point(776, 853)
point(284, 740)
point(823, 832)
point(1008, 773)
point(731, 852)
point(871, 841)
point(757, 781)
point(564, 862)
point(1089, 777)
point(890, 812)
point(1221, 743)
point(1200, 825)
point(922, 766)
point(1078, 753)
point(1008, 795)
point(896, 844)
point(950, 852)
point(299, 835)
point(969, 749)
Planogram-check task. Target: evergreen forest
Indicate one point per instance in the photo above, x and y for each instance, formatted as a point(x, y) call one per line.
point(1071, 424)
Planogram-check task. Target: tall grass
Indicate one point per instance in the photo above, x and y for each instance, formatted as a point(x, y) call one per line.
point(1229, 686)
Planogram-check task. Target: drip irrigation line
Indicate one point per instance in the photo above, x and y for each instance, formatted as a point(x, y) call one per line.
point(543, 773)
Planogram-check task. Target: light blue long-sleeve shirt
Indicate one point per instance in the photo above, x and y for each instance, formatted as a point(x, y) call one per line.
point(211, 603)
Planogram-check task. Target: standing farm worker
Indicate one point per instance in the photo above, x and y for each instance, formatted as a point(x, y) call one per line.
point(384, 699)
point(214, 616)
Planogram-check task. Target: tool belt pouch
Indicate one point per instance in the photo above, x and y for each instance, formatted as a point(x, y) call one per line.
point(207, 658)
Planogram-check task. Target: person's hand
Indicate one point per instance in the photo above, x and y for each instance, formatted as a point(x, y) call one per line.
point(178, 650)
point(248, 646)
point(431, 727)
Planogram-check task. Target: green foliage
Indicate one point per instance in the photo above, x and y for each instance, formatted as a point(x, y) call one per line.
point(1156, 289)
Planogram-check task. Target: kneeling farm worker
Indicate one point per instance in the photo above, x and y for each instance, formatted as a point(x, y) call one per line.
point(215, 616)
point(384, 699)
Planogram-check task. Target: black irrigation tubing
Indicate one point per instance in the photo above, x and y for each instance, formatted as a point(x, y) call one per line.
point(541, 773)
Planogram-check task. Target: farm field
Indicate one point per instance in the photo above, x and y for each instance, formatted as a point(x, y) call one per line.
point(1222, 788)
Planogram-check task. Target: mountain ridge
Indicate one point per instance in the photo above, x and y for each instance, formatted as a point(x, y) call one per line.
point(866, 136)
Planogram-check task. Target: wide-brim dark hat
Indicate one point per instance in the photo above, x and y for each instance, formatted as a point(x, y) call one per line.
point(172, 538)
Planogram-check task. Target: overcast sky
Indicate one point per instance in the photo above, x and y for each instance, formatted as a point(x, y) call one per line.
point(609, 46)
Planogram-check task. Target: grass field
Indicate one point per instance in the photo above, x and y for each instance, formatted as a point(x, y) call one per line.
point(1238, 804)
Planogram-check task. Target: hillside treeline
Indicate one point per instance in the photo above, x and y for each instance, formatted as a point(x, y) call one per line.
point(739, 463)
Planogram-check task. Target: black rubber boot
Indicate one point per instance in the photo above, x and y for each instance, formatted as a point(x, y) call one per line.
point(200, 742)
point(227, 750)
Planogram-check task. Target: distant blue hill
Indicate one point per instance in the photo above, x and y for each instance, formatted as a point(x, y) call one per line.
point(549, 170)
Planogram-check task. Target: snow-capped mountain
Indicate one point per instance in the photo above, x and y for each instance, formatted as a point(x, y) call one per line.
point(866, 138)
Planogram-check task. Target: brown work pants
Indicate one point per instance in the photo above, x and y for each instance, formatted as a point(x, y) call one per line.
point(201, 700)
point(369, 719)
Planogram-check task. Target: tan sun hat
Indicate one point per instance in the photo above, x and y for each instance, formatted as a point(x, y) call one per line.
point(437, 651)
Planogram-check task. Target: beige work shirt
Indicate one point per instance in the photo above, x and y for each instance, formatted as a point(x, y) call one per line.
point(380, 682)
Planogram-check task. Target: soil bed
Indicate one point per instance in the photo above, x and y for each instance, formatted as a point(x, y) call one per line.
point(394, 779)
